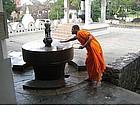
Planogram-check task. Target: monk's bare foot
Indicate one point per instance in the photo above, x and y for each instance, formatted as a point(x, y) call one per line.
point(96, 84)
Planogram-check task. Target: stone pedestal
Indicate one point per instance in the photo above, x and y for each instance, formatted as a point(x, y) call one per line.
point(48, 63)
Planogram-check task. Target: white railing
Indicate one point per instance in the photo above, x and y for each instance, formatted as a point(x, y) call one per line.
point(18, 28)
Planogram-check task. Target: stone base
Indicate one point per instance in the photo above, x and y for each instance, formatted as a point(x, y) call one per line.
point(79, 59)
point(40, 84)
point(19, 65)
point(77, 64)
point(17, 61)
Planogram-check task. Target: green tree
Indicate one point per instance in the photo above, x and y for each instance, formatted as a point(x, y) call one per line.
point(76, 3)
point(57, 10)
point(96, 10)
point(135, 9)
point(8, 7)
point(121, 8)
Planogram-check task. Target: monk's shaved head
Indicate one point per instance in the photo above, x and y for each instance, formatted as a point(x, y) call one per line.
point(76, 27)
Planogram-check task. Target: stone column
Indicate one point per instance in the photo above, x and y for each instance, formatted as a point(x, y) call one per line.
point(103, 11)
point(88, 12)
point(81, 12)
point(66, 11)
point(82, 4)
point(7, 92)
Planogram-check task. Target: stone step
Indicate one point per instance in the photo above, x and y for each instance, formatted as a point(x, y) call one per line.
point(60, 37)
point(63, 31)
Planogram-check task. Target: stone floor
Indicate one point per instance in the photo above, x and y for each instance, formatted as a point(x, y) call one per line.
point(115, 44)
point(76, 91)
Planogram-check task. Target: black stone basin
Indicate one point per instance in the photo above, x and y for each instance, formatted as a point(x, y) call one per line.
point(48, 63)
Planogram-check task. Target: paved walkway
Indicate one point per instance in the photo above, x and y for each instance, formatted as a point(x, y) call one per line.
point(115, 44)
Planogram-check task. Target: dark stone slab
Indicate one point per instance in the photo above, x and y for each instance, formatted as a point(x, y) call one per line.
point(77, 64)
point(19, 64)
point(40, 84)
point(79, 60)
point(17, 61)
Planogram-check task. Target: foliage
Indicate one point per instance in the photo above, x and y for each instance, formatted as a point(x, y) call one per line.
point(136, 6)
point(96, 10)
point(76, 3)
point(121, 8)
point(8, 7)
point(57, 10)
point(54, 9)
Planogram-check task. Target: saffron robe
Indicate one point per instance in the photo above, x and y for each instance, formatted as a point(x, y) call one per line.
point(95, 64)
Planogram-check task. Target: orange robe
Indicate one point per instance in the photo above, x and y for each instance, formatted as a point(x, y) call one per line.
point(94, 58)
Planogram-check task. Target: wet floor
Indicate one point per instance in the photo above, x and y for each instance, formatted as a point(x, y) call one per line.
point(77, 91)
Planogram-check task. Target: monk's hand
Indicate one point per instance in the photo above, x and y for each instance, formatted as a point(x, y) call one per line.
point(62, 41)
point(81, 47)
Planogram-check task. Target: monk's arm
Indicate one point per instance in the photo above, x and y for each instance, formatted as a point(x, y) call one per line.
point(68, 40)
point(87, 42)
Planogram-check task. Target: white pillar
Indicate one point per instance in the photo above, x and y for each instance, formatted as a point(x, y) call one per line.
point(82, 5)
point(87, 12)
point(103, 11)
point(66, 11)
point(7, 91)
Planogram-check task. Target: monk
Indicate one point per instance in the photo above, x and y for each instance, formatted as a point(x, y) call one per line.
point(95, 64)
